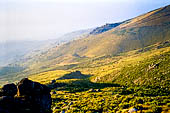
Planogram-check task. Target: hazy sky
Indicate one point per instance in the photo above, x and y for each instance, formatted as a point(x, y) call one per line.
point(47, 19)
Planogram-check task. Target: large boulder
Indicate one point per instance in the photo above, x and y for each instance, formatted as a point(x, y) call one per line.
point(32, 97)
point(36, 94)
point(28, 87)
point(9, 90)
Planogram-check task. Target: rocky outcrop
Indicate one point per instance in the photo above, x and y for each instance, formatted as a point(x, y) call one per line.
point(25, 97)
point(104, 28)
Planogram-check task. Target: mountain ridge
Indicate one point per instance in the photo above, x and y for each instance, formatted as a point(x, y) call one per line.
point(120, 39)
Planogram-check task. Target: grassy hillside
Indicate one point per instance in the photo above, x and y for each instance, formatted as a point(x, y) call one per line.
point(135, 33)
point(147, 66)
point(135, 79)
point(139, 32)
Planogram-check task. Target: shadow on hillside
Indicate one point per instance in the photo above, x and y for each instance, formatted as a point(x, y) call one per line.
point(74, 75)
point(86, 84)
point(78, 82)
point(81, 85)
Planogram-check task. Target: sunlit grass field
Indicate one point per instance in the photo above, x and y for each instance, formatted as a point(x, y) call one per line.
point(137, 79)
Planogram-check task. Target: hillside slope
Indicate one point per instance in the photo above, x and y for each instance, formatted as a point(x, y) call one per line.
point(135, 79)
point(132, 34)
point(147, 66)
point(135, 33)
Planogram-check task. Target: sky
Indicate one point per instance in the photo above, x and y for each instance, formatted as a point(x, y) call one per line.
point(49, 19)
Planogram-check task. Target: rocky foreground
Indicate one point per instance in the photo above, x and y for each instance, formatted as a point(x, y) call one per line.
point(25, 97)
